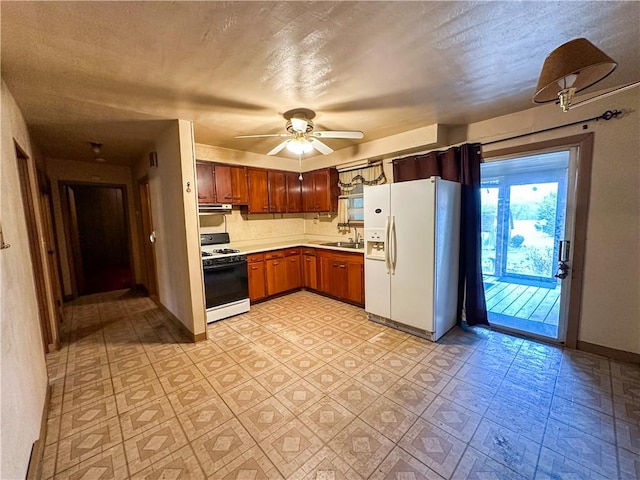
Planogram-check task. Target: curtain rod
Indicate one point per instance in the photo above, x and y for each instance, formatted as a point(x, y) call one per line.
point(608, 115)
point(367, 165)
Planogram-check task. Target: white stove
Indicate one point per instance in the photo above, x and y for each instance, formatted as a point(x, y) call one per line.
point(226, 282)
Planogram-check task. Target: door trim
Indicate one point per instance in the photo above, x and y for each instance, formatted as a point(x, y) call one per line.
point(582, 196)
point(43, 282)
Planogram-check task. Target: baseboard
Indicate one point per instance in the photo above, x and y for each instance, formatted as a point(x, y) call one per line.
point(187, 333)
point(609, 352)
point(34, 471)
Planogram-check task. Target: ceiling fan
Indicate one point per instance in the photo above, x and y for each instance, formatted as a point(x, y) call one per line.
point(301, 137)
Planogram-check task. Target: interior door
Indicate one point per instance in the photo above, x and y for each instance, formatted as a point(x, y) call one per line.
point(527, 227)
point(148, 239)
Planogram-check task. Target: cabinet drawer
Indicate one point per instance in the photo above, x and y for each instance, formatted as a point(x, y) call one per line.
point(309, 251)
point(255, 257)
point(292, 251)
point(274, 254)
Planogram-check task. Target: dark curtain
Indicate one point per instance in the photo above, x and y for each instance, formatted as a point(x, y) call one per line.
point(458, 164)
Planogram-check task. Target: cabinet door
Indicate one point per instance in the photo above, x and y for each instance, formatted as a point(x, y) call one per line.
point(239, 186)
point(294, 193)
point(204, 176)
point(277, 192)
point(326, 190)
point(231, 185)
point(257, 286)
point(294, 277)
point(333, 275)
point(308, 192)
point(258, 190)
point(355, 282)
point(276, 274)
point(309, 272)
point(222, 177)
point(320, 190)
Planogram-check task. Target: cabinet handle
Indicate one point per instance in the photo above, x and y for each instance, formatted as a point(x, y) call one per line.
point(254, 268)
point(265, 208)
point(227, 196)
point(275, 263)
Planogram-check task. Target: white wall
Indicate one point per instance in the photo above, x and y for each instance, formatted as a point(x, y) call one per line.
point(98, 173)
point(23, 371)
point(175, 221)
point(611, 295)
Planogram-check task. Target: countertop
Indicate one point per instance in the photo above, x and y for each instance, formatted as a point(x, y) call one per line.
point(257, 247)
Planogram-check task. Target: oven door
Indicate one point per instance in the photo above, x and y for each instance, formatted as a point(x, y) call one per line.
point(225, 283)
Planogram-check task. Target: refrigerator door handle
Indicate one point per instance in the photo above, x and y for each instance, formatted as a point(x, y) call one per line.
point(394, 245)
point(387, 258)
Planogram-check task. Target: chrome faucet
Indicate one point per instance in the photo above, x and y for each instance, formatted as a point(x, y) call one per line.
point(358, 237)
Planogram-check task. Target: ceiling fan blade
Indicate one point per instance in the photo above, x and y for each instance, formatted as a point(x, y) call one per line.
point(299, 124)
point(321, 147)
point(264, 135)
point(338, 134)
point(278, 147)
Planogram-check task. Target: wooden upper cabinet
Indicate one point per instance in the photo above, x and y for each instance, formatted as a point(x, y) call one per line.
point(320, 190)
point(277, 191)
point(204, 177)
point(294, 192)
point(258, 190)
point(267, 191)
point(231, 184)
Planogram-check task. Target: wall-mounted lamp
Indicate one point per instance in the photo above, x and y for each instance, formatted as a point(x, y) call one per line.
point(570, 68)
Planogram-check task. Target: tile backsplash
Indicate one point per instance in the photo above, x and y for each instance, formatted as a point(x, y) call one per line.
point(264, 227)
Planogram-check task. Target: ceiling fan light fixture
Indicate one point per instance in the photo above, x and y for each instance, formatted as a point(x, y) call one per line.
point(570, 68)
point(299, 146)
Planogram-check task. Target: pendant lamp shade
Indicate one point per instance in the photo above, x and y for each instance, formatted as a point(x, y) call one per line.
point(573, 66)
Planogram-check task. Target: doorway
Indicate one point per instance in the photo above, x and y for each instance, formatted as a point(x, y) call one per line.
point(527, 226)
point(97, 229)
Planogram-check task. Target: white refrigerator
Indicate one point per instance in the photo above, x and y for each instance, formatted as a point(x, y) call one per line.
point(412, 237)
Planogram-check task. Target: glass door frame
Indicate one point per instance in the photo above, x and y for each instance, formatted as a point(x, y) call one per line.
point(579, 189)
point(503, 213)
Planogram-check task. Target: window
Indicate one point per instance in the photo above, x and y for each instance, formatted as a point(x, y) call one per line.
point(355, 205)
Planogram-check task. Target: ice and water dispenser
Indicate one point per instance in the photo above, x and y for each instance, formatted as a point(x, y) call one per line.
point(375, 243)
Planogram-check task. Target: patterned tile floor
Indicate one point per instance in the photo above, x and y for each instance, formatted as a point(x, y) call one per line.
point(304, 387)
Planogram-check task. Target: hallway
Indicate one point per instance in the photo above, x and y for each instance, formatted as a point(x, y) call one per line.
point(304, 387)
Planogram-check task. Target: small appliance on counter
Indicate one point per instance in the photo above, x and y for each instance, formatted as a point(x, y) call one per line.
point(412, 236)
point(226, 283)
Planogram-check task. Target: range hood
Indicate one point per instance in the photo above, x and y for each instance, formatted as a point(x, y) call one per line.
point(214, 207)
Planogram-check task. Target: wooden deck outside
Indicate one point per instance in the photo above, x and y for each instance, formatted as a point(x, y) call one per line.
point(525, 307)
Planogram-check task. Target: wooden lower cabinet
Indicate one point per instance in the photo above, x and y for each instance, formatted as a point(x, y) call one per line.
point(257, 284)
point(282, 268)
point(341, 275)
point(309, 269)
point(337, 274)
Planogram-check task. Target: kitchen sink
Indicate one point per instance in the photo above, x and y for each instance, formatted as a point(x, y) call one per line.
point(344, 244)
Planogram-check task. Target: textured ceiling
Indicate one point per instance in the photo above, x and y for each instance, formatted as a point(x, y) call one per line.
point(114, 72)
